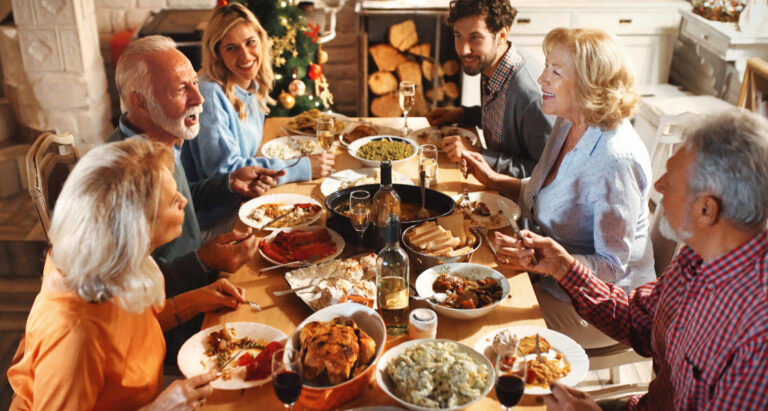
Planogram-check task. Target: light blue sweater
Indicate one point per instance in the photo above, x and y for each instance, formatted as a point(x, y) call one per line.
point(225, 143)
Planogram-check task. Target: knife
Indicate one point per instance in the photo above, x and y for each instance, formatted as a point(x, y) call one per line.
point(276, 219)
point(512, 217)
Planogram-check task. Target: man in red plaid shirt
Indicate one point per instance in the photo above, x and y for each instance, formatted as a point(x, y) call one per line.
point(705, 320)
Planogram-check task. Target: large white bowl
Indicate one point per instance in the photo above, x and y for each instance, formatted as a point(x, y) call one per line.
point(365, 140)
point(466, 270)
point(368, 320)
point(383, 379)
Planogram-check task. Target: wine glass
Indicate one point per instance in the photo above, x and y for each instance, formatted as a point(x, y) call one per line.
point(407, 94)
point(324, 130)
point(428, 162)
point(287, 375)
point(360, 212)
point(510, 385)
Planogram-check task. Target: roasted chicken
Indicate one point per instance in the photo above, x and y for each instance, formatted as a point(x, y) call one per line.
point(335, 351)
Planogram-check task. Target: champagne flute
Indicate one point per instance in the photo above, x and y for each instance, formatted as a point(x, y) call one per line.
point(407, 94)
point(510, 385)
point(360, 212)
point(324, 130)
point(428, 162)
point(287, 375)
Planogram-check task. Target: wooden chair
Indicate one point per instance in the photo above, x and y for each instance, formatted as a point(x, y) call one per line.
point(754, 88)
point(49, 162)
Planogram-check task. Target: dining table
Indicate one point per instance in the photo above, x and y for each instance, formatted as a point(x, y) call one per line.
point(285, 313)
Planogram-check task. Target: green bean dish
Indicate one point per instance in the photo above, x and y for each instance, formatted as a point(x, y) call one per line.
point(380, 150)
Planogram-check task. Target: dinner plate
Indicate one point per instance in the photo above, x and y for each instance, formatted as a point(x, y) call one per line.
point(491, 200)
point(332, 185)
point(380, 130)
point(287, 148)
point(281, 198)
point(335, 237)
point(311, 131)
point(433, 135)
point(192, 360)
point(570, 349)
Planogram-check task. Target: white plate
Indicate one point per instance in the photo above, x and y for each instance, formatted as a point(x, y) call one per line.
point(336, 116)
point(491, 200)
point(570, 349)
point(371, 163)
point(433, 135)
point(192, 354)
point(380, 130)
point(467, 270)
point(331, 185)
point(335, 237)
point(382, 379)
point(282, 198)
point(290, 145)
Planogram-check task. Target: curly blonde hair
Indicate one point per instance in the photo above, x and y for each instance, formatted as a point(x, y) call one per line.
point(223, 20)
point(606, 79)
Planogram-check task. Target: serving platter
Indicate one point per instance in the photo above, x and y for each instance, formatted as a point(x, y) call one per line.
point(337, 240)
point(285, 199)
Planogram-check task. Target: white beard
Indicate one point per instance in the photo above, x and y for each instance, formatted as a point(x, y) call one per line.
point(667, 231)
point(176, 127)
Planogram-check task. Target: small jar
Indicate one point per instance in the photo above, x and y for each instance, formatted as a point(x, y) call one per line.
point(422, 323)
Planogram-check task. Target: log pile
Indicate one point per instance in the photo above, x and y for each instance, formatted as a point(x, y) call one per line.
point(405, 59)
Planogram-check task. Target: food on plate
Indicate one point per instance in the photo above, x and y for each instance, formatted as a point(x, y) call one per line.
point(374, 179)
point(292, 148)
point(360, 131)
point(384, 149)
point(552, 366)
point(541, 373)
point(407, 212)
point(449, 236)
point(464, 293)
point(437, 374)
point(335, 351)
point(222, 344)
point(284, 215)
point(480, 215)
point(528, 345)
point(299, 245)
point(306, 122)
point(336, 279)
point(434, 135)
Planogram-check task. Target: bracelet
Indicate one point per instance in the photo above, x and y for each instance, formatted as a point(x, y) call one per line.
point(175, 312)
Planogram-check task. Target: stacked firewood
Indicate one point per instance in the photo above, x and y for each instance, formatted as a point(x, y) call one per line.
point(405, 59)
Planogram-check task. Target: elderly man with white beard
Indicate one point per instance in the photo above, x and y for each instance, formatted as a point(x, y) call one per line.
point(158, 89)
point(705, 320)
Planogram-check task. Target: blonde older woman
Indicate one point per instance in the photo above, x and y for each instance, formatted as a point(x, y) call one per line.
point(94, 335)
point(589, 190)
point(235, 81)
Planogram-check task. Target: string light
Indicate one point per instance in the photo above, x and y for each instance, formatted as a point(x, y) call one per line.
point(311, 97)
point(278, 76)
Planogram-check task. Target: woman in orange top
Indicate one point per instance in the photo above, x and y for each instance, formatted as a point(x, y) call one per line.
point(94, 336)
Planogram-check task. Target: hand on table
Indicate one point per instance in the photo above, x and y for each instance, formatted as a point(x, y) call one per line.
point(569, 399)
point(253, 181)
point(552, 259)
point(321, 164)
point(440, 116)
point(455, 146)
point(188, 394)
point(219, 294)
point(222, 255)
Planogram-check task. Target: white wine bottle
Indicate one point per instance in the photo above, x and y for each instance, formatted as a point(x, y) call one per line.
point(386, 203)
point(392, 270)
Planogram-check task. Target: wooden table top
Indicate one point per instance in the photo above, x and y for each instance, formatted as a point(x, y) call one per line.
point(285, 313)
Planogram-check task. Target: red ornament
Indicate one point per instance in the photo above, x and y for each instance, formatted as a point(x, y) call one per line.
point(313, 32)
point(221, 3)
point(315, 71)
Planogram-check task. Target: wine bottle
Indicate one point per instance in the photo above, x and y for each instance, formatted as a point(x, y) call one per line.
point(386, 203)
point(392, 270)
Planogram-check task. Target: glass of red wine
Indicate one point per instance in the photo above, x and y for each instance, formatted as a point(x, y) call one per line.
point(287, 375)
point(510, 384)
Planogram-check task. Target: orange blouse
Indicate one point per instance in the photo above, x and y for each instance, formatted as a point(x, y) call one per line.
point(79, 355)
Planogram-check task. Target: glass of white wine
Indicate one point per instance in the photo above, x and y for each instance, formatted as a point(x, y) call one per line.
point(360, 212)
point(324, 130)
point(407, 94)
point(428, 163)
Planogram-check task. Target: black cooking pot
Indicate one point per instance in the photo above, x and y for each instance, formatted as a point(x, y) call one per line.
point(409, 194)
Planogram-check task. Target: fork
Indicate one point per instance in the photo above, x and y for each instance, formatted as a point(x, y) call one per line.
point(292, 290)
point(255, 307)
point(291, 265)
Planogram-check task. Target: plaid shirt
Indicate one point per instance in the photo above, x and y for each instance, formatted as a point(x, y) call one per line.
point(704, 324)
point(494, 89)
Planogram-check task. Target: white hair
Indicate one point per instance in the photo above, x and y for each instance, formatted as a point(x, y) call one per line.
point(132, 74)
point(730, 162)
point(102, 224)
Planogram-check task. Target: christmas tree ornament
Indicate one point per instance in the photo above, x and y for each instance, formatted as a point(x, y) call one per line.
point(297, 87)
point(323, 91)
point(221, 3)
point(315, 71)
point(322, 56)
point(287, 100)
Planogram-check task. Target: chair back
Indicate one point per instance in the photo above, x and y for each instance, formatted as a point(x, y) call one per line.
point(754, 89)
point(49, 162)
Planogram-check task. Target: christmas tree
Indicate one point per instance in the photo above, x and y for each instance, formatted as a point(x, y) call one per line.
point(297, 58)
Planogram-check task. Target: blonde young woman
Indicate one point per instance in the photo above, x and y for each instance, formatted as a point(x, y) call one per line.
point(589, 191)
point(235, 81)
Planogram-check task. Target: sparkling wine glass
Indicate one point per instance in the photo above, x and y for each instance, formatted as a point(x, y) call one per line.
point(324, 130)
point(510, 385)
point(287, 375)
point(428, 163)
point(407, 94)
point(360, 212)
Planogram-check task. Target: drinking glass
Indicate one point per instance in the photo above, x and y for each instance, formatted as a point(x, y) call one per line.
point(287, 375)
point(360, 212)
point(407, 94)
point(324, 130)
point(428, 163)
point(510, 385)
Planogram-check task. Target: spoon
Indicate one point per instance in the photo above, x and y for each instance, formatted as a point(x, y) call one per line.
point(422, 213)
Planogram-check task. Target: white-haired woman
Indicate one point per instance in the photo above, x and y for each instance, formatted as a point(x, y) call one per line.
point(94, 335)
point(589, 190)
point(235, 80)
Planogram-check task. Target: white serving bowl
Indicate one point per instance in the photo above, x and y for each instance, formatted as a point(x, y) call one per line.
point(467, 270)
point(383, 379)
point(371, 163)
